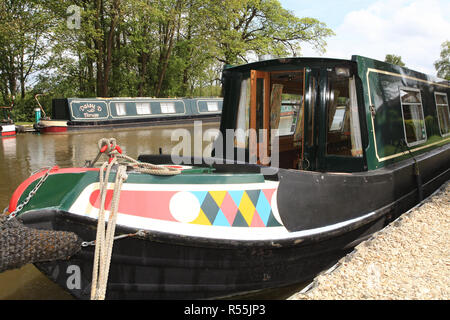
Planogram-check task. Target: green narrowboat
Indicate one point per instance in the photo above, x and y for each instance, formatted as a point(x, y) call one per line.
point(284, 195)
point(72, 114)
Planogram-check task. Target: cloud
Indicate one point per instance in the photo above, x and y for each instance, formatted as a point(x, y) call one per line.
point(414, 30)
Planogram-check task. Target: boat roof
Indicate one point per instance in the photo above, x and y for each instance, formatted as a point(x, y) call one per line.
point(287, 61)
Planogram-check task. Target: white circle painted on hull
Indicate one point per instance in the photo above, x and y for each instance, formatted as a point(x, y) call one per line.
point(184, 206)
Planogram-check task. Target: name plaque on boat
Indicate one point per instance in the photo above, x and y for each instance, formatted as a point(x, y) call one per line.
point(89, 109)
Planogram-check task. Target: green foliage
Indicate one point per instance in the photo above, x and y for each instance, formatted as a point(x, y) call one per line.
point(162, 48)
point(442, 65)
point(392, 58)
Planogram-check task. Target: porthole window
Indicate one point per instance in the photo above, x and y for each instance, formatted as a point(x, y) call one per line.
point(413, 120)
point(443, 113)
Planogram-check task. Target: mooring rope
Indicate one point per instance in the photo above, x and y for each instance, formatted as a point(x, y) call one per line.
point(105, 240)
point(110, 148)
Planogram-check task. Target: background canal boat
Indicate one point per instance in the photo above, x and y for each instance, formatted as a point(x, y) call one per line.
point(368, 141)
point(98, 113)
point(7, 126)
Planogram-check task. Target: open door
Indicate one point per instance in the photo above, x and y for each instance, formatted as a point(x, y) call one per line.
point(259, 116)
point(277, 101)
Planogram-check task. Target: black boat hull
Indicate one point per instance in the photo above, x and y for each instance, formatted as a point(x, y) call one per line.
point(160, 266)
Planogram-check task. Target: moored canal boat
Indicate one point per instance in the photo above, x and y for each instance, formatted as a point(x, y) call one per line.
point(366, 141)
point(7, 126)
point(73, 114)
point(7, 130)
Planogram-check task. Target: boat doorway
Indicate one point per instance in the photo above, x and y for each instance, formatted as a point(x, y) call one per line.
point(282, 108)
point(309, 117)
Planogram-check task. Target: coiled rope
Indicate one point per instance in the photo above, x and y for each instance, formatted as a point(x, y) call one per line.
point(110, 148)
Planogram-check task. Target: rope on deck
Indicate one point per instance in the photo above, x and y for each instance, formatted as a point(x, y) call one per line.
point(110, 148)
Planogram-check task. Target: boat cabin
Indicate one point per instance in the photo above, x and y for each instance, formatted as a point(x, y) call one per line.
point(332, 115)
point(130, 109)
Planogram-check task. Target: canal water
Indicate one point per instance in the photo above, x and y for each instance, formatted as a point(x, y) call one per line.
point(20, 156)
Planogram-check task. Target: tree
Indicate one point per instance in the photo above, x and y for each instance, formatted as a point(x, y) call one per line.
point(260, 26)
point(393, 59)
point(21, 42)
point(147, 47)
point(442, 65)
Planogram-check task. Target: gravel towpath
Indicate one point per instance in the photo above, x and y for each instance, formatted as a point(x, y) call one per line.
point(407, 260)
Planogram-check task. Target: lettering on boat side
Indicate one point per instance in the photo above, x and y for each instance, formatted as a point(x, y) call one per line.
point(232, 309)
point(88, 110)
point(74, 279)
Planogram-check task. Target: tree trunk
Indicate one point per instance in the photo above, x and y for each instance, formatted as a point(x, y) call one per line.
point(12, 76)
point(109, 47)
point(100, 49)
point(166, 52)
point(22, 76)
point(143, 71)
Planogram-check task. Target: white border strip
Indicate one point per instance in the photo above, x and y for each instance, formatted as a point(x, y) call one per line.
point(224, 233)
point(205, 231)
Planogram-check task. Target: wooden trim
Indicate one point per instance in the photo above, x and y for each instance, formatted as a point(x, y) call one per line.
point(253, 152)
point(262, 147)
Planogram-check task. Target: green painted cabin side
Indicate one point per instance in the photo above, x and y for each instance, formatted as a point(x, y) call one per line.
point(387, 125)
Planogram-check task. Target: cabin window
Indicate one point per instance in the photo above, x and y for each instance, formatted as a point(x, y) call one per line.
point(343, 129)
point(143, 108)
point(243, 116)
point(413, 120)
point(443, 112)
point(212, 106)
point(289, 114)
point(286, 101)
point(167, 107)
point(120, 109)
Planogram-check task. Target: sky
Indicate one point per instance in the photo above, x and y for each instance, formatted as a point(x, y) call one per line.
point(412, 29)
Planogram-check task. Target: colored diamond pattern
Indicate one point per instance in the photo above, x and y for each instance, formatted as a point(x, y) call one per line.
point(229, 208)
point(236, 208)
point(263, 208)
point(221, 220)
point(218, 196)
point(201, 219)
point(247, 208)
point(210, 208)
